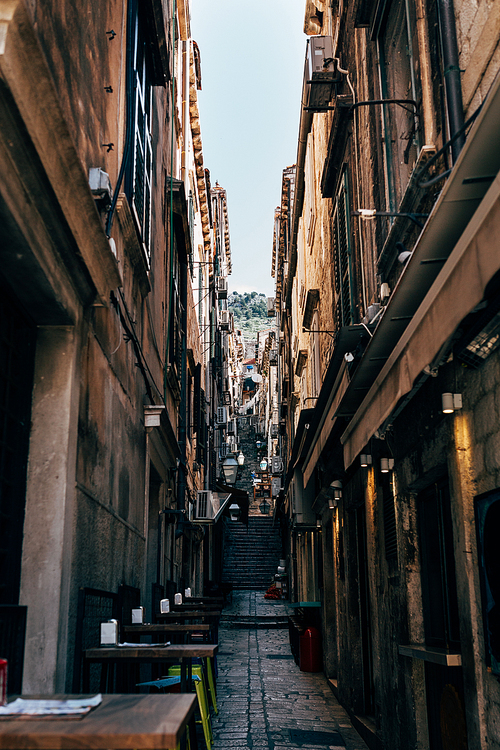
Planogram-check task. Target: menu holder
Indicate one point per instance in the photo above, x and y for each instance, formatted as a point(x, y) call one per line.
point(33, 708)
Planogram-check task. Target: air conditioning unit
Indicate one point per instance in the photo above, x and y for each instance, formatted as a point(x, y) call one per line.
point(271, 307)
point(221, 415)
point(224, 320)
point(204, 505)
point(231, 443)
point(224, 450)
point(221, 287)
point(231, 427)
point(276, 465)
point(320, 72)
point(274, 430)
point(100, 185)
point(273, 358)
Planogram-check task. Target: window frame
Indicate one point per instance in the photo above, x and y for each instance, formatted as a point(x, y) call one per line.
point(393, 116)
point(140, 178)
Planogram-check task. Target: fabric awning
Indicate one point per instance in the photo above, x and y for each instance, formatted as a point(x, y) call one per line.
point(459, 287)
point(351, 339)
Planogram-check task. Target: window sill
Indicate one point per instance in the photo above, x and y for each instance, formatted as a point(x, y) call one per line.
point(434, 655)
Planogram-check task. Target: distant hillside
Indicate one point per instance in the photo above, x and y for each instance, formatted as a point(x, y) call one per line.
point(250, 312)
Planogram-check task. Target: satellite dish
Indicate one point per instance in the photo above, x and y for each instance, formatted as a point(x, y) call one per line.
point(257, 378)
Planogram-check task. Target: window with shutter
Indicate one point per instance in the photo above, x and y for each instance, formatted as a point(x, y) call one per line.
point(140, 178)
point(398, 61)
point(342, 256)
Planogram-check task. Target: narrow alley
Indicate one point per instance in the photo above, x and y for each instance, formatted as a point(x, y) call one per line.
point(264, 700)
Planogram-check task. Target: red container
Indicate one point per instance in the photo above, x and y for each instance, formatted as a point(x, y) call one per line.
point(3, 682)
point(310, 651)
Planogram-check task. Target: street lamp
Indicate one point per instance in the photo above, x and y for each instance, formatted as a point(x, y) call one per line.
point(230, 469)
point(234, 512)
point(265, 507)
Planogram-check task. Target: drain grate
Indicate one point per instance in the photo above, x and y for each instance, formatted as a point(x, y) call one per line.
point(279, 656)
point(327, 739)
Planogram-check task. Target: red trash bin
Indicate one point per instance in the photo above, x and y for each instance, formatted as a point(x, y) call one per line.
point(310, 651)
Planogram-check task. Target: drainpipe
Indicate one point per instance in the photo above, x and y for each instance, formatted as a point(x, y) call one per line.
point(453, 83)
point(182, 475)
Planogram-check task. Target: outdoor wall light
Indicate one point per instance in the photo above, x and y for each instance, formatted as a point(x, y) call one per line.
point(234, 512)
point(365, 459)
point(240, 459)
point(318, 523)
point(336, 485)
point(451, 402)
point(386, 465)
point(332, 503)
point(265, 507)
point(263, 464)
point(230, 469)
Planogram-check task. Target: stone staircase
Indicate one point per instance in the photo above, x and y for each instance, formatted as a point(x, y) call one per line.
point(251, 556)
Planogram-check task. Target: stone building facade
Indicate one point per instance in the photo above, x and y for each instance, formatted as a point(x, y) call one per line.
point(108, 322)
point(387, 298)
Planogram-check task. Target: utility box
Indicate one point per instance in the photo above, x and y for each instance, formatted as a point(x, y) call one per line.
point(310, 657)
point(320, 72)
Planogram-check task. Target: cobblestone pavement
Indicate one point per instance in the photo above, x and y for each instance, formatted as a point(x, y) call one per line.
point(265, 702)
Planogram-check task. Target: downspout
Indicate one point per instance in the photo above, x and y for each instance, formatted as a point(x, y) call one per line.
point(182, 473)
point(453, 83)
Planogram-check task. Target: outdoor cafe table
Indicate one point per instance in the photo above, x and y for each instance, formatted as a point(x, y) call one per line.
point(120, 722)
point(111, 655)
point(200, 606)
point(211, 616)
point(175, 628)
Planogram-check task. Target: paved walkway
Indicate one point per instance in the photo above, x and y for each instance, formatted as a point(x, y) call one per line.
point(265, 702)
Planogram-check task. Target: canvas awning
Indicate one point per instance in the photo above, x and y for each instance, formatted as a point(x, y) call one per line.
point(454, 213)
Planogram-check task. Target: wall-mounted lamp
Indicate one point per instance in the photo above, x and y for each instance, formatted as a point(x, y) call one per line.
point(365, 459)
point(386, 465)
point(240, 459)
point(263, 464)
point(318, 523)
point(230, 470)
point(336, 485)
point(451, 402)
point(332, 503)
point(234, 512)
point(265, 507)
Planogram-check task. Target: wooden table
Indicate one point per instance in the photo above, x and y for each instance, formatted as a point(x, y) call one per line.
point(135, 631)
point(200, 606)
point(187, 614)
point(121, 722)
point(181, 615)
point(112, 655)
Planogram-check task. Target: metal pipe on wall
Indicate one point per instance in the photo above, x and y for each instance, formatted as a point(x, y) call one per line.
point(453, 83)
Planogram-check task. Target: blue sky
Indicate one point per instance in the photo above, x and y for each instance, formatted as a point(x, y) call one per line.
point(252, 61)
